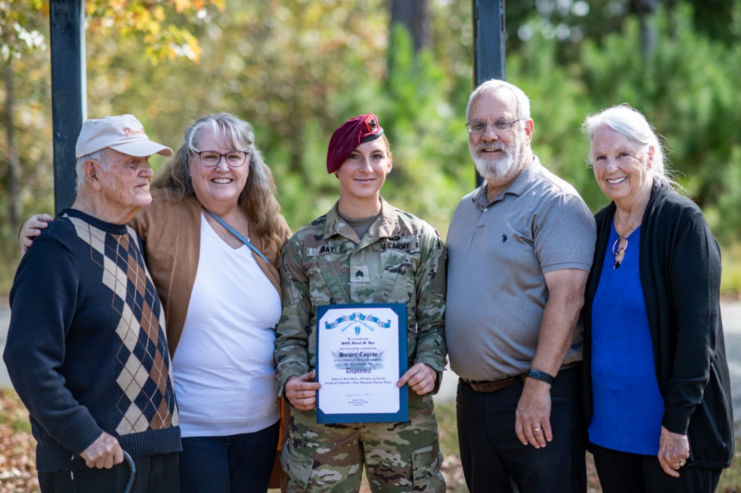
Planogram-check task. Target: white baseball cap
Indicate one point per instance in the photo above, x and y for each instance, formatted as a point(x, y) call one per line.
point(122, 133)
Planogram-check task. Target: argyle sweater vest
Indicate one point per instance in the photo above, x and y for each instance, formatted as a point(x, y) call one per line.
point(86, 348)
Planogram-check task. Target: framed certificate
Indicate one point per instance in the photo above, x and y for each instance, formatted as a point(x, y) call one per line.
point(361, 354)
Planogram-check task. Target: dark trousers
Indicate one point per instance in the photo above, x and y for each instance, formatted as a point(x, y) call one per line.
point(623, 472)
point(154, 474)
point(495, 460)
point(231, 464)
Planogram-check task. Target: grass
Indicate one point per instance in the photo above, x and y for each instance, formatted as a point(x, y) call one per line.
point(18, 464)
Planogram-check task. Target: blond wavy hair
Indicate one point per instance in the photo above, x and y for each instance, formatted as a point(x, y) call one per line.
point(258, 196)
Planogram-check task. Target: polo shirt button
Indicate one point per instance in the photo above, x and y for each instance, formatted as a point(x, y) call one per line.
point(486, 209)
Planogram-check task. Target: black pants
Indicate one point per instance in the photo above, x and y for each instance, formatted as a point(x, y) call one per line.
point(495, 460)
point(154, 474)
point(622, 472)
point(237, 463)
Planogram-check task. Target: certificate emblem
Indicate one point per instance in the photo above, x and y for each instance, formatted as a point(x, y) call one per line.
point(361, 354)
point(357, 319)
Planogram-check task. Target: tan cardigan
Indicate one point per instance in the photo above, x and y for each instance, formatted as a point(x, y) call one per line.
point(171, 233)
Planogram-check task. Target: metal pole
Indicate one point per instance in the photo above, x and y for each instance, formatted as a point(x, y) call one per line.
point(68, 90)
point(488, 44)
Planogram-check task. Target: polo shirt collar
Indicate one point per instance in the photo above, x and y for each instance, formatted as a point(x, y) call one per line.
point(517, 187)
point(386, 226)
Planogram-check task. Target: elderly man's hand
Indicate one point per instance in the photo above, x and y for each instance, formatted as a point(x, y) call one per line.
point(31, 229)
point(105, 452)
point(420, 377)
point(301, 391)
point(533, 417)
point(674, 450)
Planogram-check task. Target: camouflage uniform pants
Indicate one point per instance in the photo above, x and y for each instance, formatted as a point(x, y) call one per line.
point(398, 457)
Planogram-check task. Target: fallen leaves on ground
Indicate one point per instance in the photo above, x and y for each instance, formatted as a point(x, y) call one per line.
point(17, 446)
point(18, 452)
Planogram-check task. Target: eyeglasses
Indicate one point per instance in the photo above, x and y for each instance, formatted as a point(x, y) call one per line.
point(234, 159)
point(479, 127)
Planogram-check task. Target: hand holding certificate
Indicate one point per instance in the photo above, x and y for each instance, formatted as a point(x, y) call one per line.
point(361, 354)
point(301, 391)
point(421, 379)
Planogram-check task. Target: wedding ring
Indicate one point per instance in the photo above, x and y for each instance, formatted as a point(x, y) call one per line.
point(536, 429)
point(681, 463)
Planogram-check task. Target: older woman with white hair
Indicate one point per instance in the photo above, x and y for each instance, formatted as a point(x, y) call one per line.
point(212, 238)
point(656, 382)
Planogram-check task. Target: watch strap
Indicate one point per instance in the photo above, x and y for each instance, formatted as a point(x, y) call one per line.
point(541, 375)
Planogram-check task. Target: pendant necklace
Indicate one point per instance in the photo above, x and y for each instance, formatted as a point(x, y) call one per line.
point(616, 250)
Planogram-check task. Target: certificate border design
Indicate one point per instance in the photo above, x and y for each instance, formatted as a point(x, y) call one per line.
point(402, 416)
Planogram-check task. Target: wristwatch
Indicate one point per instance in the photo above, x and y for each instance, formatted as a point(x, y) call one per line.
point(541, 375)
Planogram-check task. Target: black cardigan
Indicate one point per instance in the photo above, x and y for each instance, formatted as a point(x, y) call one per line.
point(680, 274)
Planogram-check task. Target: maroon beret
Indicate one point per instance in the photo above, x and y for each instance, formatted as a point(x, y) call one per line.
point(349, 136)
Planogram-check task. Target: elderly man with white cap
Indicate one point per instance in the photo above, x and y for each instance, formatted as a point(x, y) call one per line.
point(86, 350)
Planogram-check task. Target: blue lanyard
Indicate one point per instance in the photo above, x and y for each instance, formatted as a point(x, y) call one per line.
point(236, 233)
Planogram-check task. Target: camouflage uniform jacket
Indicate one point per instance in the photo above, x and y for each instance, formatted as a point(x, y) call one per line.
point(401, 259)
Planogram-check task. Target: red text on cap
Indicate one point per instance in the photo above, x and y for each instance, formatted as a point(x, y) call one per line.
point(129, 131)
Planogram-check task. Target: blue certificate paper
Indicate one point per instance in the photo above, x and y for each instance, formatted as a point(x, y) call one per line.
point(361, 353)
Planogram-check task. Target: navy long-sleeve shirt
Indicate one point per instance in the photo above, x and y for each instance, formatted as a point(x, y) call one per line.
point(86, 350)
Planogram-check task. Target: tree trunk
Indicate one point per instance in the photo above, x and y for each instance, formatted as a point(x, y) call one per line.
point(14, 165)
point(415, 16)
point(648, 34)
point(671, 9)
point(296, 149)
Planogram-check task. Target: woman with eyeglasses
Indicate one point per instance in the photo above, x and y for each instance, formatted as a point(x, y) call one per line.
point(222, 301)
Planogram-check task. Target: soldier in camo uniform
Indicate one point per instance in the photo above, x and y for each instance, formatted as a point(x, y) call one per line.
point(362, 251)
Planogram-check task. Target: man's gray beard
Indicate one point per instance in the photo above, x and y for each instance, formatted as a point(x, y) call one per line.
point(493, 168)
point(496, 168)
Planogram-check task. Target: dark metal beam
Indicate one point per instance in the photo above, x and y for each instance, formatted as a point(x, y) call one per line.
point(488, 44)
point(68, 90)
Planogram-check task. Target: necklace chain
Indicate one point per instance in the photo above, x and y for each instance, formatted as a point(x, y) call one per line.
point(616, 250)
point(630, 228)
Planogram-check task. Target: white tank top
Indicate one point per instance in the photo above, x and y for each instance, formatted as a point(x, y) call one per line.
point(223, 368)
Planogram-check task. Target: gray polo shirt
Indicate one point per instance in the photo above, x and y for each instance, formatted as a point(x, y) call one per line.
point(498, 252)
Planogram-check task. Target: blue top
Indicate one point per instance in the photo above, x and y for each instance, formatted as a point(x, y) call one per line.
point(628, 406)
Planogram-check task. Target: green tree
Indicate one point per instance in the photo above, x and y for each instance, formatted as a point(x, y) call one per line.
point(296, 69)
point(27, 174)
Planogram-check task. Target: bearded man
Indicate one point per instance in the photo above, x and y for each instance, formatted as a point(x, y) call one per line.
point(520, 248)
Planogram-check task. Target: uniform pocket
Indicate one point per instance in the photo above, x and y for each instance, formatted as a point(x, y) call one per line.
point(396, 284)
point(326, 281)
point(297, 466)
point(426, 469)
